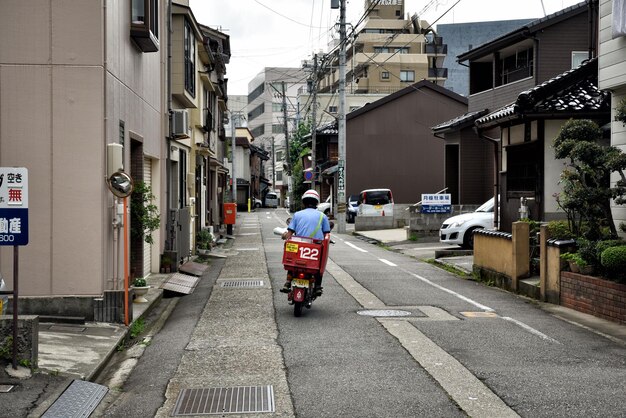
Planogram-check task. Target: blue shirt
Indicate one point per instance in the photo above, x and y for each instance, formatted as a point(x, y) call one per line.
point(304, 222)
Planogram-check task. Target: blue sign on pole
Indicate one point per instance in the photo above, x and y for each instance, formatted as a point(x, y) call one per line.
point(13, 206)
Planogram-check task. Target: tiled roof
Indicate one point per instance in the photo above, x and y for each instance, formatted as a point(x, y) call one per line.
point(465, 119)
point(570, 92)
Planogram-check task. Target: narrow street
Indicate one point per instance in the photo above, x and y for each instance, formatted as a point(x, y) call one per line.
point(391, 337)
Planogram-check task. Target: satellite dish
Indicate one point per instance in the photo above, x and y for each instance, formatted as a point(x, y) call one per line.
point(120, 184)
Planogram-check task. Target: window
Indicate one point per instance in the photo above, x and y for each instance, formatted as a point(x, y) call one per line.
point(402, 50)
point(407, 76)
point(332, 109)
point(278, 128)
point(381, 49)
point(578, 57)
point(190, 59)
point(256, 93)
point(256, 112)
point(279, 176)
point(277, 107)
point(209, 109)
point(384, 75)
point(144, 25)
point(279, 155)
point(258, 131)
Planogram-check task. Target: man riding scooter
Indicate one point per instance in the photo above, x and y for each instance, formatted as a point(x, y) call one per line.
point(310, 223)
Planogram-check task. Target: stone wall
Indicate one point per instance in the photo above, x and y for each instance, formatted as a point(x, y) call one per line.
point(27, 337)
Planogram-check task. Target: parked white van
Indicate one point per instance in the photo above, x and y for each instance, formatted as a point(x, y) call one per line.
point(271, 200)
point(375, 202)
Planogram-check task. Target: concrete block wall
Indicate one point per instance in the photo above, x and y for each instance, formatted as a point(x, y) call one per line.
point(27, 337)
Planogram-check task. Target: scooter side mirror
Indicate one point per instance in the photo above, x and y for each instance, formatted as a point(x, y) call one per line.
point(288, 221)
point(332, 225)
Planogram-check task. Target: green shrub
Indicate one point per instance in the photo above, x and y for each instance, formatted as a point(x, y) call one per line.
point(603, 245)
point(559, 230)
point(613, 259)
point(587, 251)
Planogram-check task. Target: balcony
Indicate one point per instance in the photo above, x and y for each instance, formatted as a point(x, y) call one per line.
point(437, 73)
point(436, 49)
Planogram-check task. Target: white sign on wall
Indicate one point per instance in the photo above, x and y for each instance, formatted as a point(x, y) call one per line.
point(13, 206)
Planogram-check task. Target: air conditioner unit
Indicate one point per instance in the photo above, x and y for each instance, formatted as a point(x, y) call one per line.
point(180, 124)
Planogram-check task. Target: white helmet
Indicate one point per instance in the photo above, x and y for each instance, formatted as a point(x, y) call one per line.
point(311, 194)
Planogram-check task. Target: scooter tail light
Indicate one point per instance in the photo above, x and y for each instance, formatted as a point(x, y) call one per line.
point(301, 276)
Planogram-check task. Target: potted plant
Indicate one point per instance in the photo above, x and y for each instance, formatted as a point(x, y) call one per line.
point(140, 287)
point(204, 240)
point(166, 264)
point(577, 264)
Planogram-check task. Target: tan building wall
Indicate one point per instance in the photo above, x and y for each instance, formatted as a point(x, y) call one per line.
point(61, 102)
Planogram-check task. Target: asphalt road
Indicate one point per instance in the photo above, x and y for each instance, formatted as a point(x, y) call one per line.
point(392, 336)
point(464, 346)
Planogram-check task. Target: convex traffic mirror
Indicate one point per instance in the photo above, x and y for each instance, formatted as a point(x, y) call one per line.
point(120, 184)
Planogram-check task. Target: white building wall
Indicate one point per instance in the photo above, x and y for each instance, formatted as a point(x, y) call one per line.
point(612, 76)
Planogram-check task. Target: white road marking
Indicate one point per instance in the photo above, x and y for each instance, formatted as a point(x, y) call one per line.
point(472, 395)
point(389, 263)
point(355, 247)
point(531, 329)
point(452, 292)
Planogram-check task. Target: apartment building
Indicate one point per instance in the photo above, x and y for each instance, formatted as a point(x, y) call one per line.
point(272, 94)
point(388, 53)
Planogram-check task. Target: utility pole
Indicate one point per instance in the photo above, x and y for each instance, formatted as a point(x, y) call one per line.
point(341, 171)
point(232, 158)
point(314, 124)
point(285, 128)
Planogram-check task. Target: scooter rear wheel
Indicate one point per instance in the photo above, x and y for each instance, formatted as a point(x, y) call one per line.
point(297, 309)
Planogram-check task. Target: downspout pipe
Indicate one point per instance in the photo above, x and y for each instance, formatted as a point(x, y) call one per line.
point(169, 241)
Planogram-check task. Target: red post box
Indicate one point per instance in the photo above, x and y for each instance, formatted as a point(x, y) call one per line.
point(230, 213)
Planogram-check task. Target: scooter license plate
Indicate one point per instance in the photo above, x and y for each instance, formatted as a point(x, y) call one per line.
point(300, 282)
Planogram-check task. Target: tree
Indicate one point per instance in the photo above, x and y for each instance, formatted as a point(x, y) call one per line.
point(587, 191)
point(297, 150)
point(144, 214)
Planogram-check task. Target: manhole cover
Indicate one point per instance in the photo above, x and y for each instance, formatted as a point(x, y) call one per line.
point(384, 312)
point(243, 283)
point(233, 400)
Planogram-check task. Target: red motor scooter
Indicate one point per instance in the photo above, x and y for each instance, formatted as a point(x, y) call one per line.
point(305, 260)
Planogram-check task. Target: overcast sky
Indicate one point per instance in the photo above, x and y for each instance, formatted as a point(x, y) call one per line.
point(282, 33)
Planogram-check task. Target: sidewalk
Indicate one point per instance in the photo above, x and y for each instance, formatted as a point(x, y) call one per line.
point(67, 352)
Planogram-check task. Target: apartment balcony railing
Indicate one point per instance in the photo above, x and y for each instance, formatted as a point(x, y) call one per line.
point(437, 73)
point(436, 49)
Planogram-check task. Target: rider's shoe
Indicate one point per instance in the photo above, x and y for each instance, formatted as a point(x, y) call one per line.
point(286, 288)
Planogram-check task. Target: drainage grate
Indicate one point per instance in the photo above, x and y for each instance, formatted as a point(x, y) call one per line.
point(234, 400)
point(181, 283)
point(384, 312)
point(6, 388)
point(79, 400)
point(243, 283)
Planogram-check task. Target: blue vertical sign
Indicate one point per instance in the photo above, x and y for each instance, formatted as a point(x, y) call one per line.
point(13, 206)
